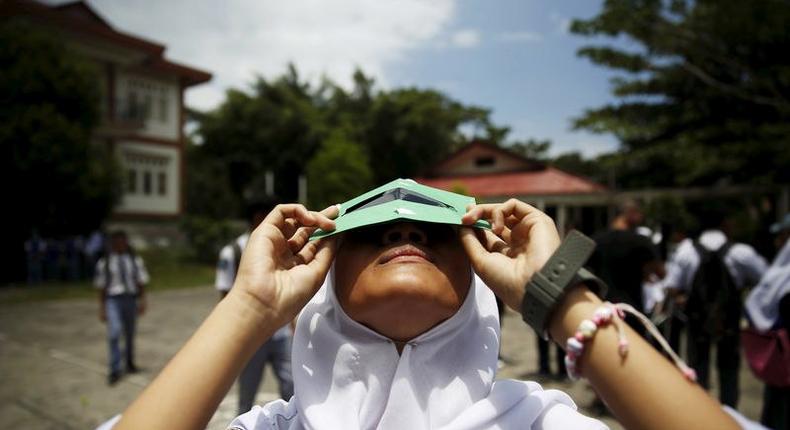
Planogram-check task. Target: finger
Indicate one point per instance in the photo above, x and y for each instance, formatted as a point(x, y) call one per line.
point(278, 216)
point(477, 212)
point(302, 235)
point(300, 238)
point(498, 220)
point(331, 212)
point(519, 209)
point(492, 242)
point(324, 253)
point(473, 213)
point(474, 249)
point(291, 226)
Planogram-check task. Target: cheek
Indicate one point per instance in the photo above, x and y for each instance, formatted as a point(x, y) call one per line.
point(350, 269)
point(457, 269)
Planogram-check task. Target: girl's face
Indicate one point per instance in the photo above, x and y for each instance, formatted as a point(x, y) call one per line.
point(402, 279)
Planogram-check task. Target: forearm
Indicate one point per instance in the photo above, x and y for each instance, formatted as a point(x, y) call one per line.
point(193, 384)
point(644, 390)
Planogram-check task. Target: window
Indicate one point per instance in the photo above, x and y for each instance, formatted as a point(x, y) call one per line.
point(163, 108)
point(485, 161)
point(131, 181)
point(133, 110)
point(162, 183)
point(147, 183)
point(148, 107)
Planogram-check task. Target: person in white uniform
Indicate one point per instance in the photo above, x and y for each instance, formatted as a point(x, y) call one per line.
point(709, 320)
point(277, 350)
point(393, 338)
point(120, 277)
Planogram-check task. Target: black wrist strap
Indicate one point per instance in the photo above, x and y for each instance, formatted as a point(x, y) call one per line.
point(562, 271)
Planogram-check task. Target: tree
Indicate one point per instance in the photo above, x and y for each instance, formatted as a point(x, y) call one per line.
point(276, 127)
point(703, 89)
point(531, 148)
point(280, 126)
point(57, 181)
point(412, 129)
point(338, 171)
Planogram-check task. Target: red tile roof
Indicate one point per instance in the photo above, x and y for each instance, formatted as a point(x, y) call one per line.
point(78, 17)
point(512, 184)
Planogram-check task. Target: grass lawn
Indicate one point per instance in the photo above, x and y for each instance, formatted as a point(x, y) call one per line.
point(168, 269)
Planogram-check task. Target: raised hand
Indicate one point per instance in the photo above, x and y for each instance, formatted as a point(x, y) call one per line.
point(280, 270)
point(520, 242)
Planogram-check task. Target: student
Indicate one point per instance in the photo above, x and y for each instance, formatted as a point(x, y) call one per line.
point(121, 278)
point(277, 350)
point(625, 259)
point(404, 333)
point(712, 271)
point(768, 308)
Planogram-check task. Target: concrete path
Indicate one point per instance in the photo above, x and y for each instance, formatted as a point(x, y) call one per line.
point(53, 361)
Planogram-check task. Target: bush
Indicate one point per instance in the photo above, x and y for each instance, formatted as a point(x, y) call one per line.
point(207, 236)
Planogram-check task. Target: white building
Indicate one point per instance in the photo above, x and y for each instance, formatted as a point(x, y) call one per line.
point(142, 104)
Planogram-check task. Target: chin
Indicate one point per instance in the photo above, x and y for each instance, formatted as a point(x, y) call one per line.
point(403, 300)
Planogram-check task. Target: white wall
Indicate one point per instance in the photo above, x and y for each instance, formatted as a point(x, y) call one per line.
point(156, 100)
point(157, 162)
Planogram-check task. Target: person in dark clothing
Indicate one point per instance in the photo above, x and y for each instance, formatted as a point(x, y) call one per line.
point(624, 259)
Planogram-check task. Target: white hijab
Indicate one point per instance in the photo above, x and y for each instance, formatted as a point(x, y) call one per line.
point(762, 304)
point(348, 376)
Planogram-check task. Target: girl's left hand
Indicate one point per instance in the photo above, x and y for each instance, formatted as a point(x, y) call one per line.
point(520, 242)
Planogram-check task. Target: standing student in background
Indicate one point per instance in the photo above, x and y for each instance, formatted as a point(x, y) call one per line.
point(768, 308)
point(712, 270)
point(624, 259)
point(277, 350)
point(121, 278)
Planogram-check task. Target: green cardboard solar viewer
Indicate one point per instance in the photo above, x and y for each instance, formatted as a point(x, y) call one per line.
point(401, 200)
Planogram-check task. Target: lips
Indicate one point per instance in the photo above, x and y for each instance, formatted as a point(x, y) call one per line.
point(405, 253)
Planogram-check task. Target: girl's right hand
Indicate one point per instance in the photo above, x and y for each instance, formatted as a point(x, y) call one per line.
point(280, 269)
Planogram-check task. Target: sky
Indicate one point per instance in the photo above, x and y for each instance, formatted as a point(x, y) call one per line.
point(515, 57)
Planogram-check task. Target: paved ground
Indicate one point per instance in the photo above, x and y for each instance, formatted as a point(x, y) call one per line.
point(53, 355)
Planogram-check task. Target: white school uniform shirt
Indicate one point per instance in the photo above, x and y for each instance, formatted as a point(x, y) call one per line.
point(121, 273)
point(227, 265)
point(745, 265)
point(226, 275)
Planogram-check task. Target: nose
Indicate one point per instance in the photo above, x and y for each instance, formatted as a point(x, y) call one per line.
point(404, 232)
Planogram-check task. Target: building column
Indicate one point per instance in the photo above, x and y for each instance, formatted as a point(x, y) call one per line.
point(562, 218)
point(303, 189)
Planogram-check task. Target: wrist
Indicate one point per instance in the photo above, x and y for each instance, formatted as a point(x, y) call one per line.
point(249, 312)
point(562, 272)
point(577, 304)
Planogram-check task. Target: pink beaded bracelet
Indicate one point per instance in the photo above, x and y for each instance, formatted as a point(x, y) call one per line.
point(614, 314)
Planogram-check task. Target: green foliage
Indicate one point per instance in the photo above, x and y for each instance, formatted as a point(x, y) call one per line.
point(574, 162)
point(338, 171)
point(276, 127)
point(208, 235)
point(353, 139)
point(703, 88)
point(208, 190)
point(58, 181)
point(412, 129)
point(532, 148)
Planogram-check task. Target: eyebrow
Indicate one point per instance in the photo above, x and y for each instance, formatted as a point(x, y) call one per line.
point(398, 194)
